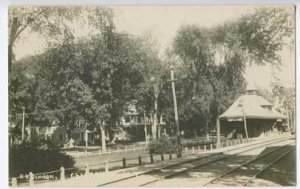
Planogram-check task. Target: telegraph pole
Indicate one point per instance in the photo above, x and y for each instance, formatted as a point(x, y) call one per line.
point(23, 124)
point(179, 150)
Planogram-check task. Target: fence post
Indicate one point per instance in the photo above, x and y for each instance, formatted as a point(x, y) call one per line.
point(211, 146)
point(106, 166)
point(141, 147)
point(162, 157)
point(140, 160)
point(204, 147)
point(186, 150)
point(14, 182)
point(31, 179)
point(87, 169)
point(62, 173)
point(226, 143)
point(151, 157)
point(170, 156)
point(124, 163)
point(193, 149)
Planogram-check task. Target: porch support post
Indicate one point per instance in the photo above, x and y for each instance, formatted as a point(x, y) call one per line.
point(245, 126)
point(218, 133)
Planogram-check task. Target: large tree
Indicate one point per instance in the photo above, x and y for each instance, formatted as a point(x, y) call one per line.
point(215, 59)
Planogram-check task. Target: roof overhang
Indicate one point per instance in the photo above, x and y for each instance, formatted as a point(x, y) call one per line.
point(240, 118)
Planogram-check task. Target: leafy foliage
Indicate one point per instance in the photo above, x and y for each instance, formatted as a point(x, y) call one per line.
point(210, 87)
point(258, 36)
point(29, 157)
point(163, 145)
point(214, 59)
point(88, 82)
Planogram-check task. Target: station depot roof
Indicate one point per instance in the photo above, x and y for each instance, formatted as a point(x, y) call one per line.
point(251, 106)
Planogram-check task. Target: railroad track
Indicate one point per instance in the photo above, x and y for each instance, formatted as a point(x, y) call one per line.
point(267, 167)
point(152, 176)
point(244, 173)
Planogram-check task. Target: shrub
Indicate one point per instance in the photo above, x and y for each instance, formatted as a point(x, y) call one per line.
point(27, 158)
point(164, 144)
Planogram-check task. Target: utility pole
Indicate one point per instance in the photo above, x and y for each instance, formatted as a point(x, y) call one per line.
point(179, 150)
point(23, 124)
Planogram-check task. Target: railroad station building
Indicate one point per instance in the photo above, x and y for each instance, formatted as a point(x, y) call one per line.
point(250, 115)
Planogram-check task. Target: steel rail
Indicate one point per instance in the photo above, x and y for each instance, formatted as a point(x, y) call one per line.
point(242, 165)
point(267, 166)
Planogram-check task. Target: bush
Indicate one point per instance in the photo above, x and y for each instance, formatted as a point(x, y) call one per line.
point(27, 158)
point(163, 145)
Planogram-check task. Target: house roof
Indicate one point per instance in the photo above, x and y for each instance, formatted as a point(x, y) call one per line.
point(251, 106)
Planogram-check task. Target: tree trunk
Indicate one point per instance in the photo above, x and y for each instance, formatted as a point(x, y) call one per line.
point(12, 36)
point(145, 128)
point(154, 125)
point(159, 127)
point(9, 57)
point(103, 137)
point(206, 130)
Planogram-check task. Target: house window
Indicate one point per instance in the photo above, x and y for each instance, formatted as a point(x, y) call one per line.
point(60, 136)
point(127, 119)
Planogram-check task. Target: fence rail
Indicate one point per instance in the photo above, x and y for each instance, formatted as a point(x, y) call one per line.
point(109, 151)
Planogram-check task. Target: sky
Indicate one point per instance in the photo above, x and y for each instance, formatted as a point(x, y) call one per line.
point(162, 23)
